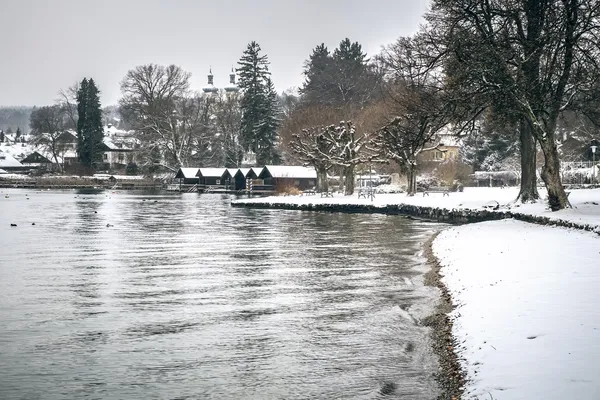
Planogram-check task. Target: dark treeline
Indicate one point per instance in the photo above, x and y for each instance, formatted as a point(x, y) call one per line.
point(12, 118)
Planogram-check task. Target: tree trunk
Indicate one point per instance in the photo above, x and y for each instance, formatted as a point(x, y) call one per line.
point(528, 192)
point(557, 198)
point(340, 171)
point(349, 180)
point(412, 180)
point(322, 184)
point(60, 167)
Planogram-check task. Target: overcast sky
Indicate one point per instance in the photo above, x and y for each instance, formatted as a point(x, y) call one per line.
point(49, 44)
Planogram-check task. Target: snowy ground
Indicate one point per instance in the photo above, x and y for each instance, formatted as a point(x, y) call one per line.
point(527, 315)
point(527, 295)
point(586, 202)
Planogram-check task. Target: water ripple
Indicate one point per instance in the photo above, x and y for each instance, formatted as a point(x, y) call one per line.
point(180, 296)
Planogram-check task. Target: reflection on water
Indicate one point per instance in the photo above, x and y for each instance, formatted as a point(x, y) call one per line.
point(186, 297)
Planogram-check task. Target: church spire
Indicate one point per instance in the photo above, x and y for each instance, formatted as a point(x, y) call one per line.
point(232, 87)
point(210, 88)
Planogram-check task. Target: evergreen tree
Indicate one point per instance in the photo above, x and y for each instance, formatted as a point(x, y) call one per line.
point(18, 132)
point(89, 125)
point(258, 105)
point(267, 130)
point(316, 70)
point(341, 79)
point(84, 157)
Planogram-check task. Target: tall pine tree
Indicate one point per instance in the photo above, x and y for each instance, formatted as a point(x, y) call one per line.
point(259, 106)
point(341, 79)
point(267, 152)
point(89, 125)
point(317, 70)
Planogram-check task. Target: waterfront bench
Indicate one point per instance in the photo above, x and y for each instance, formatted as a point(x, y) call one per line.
point(308, 192)
point(436, 189)
point(366, 192)
point(327, 194)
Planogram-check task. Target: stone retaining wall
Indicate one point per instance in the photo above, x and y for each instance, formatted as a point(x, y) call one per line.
point(454, 216)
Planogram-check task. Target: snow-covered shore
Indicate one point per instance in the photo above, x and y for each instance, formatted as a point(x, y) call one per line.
point(526, 316)
point(526, 320)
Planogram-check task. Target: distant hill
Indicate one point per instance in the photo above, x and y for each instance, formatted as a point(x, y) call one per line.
point(15, 117)
point(18, 117)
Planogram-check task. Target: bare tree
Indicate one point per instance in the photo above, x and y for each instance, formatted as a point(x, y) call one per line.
point(164, 113)
point(68, 102)
point(348, 150)
point(304, 117)
point(194, 121)
point(415, 91)
point(228, 118)
point(533, 58)
point(402, 140)
point(48, 124)
point(312, 147)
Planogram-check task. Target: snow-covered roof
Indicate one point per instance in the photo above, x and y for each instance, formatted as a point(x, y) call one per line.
point(256, 170)
point(70, 154)
point(211, 172)
point(187, 173)
point(8, 161)
point(233, 171)
point(112, 130)
point(447, 137)
point(47, 158)
point(22, 138)
point(3, 171)
point(68, 136)
point(290, 171)
point(210, 88)
point(18, 150)
point(231, 88)
point(121, 145)
point(245, 171)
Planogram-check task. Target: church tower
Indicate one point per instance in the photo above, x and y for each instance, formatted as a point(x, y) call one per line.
point(210, 88)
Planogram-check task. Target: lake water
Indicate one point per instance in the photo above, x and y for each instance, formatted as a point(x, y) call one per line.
point(185, 297)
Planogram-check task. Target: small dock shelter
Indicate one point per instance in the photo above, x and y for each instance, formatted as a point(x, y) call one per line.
point(254, 172)
point(213, 177)
point(187, 176)
point(281, 176)
point(238, 180)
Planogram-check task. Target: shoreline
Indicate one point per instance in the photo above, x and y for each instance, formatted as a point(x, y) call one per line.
point(451, 376)
point(447, 345)
point(435, 214)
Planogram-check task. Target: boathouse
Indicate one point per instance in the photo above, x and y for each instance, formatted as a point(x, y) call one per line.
point(284, 176)
point(187, 176)
point(254, 172)
point(213, 176)
point(238, 180)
